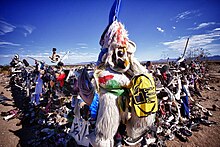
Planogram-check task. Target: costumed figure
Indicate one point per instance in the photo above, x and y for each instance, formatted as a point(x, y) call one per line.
point(116, 67)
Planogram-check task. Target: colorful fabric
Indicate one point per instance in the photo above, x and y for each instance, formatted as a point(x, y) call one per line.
point(37, 99)
point(101, 55)
point(79, 131)
point(103, 80)
point(116, 36)
point(61, 78)
point(86, 89)
point(113, 82)
point(185, 104)
point(38, 90)
point(114, 12)
point(75, 89)
point(144, 96)
point(94, 106)
point(39, 85)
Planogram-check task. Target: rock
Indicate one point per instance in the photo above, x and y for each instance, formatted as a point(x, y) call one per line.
point(213, 88)
point(215, 107)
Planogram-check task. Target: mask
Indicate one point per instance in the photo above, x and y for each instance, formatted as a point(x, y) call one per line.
point(120, 60)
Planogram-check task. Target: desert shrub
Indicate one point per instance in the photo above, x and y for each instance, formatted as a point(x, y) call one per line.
point(5, 69)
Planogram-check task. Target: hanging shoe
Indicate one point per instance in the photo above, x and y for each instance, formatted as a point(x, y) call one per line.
point(131, 141)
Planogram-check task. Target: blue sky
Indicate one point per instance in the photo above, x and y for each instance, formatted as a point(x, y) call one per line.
point(158, 27)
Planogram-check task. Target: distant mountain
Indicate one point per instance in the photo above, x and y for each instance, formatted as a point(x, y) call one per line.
point(210, 58)
point(214, 58)
point(82, 63)
point(160, 61)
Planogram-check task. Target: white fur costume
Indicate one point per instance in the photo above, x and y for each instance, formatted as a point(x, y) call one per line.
point(117, 61)
point(108, 118)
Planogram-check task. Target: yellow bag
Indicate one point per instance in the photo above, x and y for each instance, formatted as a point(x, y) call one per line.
point(144, 98)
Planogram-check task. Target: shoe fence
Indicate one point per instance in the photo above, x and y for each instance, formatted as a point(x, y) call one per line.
point(47, 100)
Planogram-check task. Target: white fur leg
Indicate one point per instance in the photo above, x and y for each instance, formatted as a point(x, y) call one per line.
point(137, 126)
point(107, 121)
point(101, 142)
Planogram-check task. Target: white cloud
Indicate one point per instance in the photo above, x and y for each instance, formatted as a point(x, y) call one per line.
point(174, 27)
point(28, 29)
point(5, 56)
point(183, 15)
point(81, 44)
point(176, 44)
point(73, 57)
point(160, 29)
point(83, 47)
point(83, 55)
point(202, 25)
point(216, 29)
point(9, 43)
point(196, 41)
point(62, 53)
point(186, 15)
point(6, 27)
point(35, 56)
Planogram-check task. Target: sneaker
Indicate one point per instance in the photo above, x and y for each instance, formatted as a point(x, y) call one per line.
point(159, 129)
point(170, 137)
point(207, 122)
point(170, 118)
point(131, 141)
point(150, 140)
point(185, 132)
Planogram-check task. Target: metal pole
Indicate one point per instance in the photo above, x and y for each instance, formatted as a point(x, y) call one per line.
point(185, 47)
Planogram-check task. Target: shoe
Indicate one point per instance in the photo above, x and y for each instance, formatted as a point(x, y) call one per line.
point(180, 136)
point(150, 140)
point(170, 137)
point(185, 132)
point(159, 129)
point(207, 122)
point(195, 128)
point(131, 141)
point(170, 118)
point(208, 113)
point(160, 143)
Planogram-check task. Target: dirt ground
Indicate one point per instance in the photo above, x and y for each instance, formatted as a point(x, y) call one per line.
point(8, 138)
point(207, 136)
point(12, 135)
